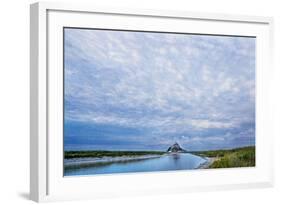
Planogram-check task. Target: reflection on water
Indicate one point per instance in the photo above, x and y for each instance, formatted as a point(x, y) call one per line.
point(179, 161)
point(176, 156)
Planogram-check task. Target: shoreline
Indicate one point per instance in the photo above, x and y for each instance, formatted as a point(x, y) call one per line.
point(90, 161)
point(208, 163)
point(99, 161)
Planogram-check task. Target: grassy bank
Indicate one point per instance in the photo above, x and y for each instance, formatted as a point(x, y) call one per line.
point(100, 153)
point(239, 157)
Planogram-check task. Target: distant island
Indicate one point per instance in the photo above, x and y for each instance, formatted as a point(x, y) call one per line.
point(176, 148)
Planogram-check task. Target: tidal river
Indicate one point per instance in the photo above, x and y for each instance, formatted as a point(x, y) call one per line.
point(168, 162)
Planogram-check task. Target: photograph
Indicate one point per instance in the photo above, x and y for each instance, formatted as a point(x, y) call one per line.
point(153, 101)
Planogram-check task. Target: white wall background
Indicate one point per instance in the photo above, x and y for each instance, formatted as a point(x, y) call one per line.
point(14, 101)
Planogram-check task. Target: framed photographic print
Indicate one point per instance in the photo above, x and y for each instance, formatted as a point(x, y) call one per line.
point(123, 97)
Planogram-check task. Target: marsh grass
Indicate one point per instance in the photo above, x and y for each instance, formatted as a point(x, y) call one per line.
point(239, 157)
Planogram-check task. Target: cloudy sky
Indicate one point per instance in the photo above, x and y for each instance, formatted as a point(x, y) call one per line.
point(145, 91)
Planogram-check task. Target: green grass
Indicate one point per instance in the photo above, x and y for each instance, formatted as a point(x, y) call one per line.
point(101, 153)
point(239, 157)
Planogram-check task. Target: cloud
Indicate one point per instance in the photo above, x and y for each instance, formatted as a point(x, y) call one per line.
point(205, 124)
point(166, 84)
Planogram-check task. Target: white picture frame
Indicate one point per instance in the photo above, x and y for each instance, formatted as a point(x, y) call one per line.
point(46, 151)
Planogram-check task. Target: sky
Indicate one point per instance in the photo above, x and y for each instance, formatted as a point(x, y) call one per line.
point(145, 91)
